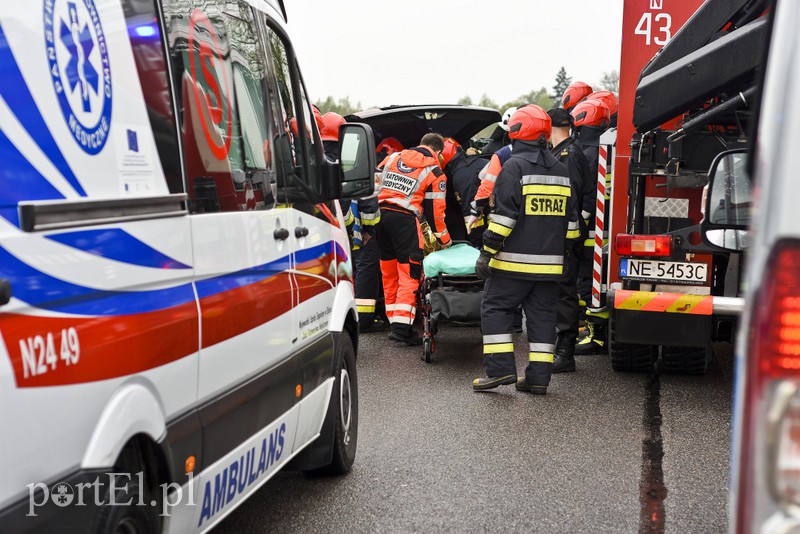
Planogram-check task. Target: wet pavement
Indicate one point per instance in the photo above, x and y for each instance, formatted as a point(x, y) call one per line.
point(598, 453)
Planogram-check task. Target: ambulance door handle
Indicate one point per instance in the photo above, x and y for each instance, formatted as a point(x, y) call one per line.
point(281, 234)
point(5, 292)
point(300, 231)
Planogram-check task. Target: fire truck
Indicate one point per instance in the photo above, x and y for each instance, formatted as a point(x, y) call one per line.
point(687, 79)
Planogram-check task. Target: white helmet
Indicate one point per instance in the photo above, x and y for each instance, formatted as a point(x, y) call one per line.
point(506, 117)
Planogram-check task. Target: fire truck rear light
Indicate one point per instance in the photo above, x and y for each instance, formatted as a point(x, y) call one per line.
point(643, 245)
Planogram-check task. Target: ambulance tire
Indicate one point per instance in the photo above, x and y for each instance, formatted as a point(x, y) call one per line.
point(130, 518)
point(632, 358)
point(344, 403)
point(686, 360)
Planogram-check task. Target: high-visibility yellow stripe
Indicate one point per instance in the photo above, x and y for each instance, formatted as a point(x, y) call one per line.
point(504, 231)
point(489, 250)
point(538, 189)
point(365, 309)
point(590, 242)
point(528, 268)
point(370, 222)
point(636, 301)
point(494, 348)
point(544, 357)
point(573, 234)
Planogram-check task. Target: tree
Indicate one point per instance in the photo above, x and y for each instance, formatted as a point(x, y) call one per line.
point(465, 101)
point(610, 82)
point(342, 106)
point(487, 102)
point(562, 82)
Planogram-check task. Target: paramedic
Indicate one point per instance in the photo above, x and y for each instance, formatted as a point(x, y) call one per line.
point(583, 186)
point(591, 119)
point(522, 258)
point(413, 186)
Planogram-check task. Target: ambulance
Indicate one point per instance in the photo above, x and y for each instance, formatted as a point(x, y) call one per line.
point(177, 316)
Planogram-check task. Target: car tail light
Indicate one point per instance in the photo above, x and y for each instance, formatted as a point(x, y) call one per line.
point(768, 425)
point(643, 245)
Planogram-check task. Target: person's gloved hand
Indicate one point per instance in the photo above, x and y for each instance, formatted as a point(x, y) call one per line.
point(482, 269)
point(446, 245)
point(473, 218)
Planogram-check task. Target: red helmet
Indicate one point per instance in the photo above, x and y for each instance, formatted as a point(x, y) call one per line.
point(606, 97)
point(576, 92)
point(317, 117)
point(591, 113)
point(390, 145)
point(330, 126)
point(529, 123)
point(451, 148)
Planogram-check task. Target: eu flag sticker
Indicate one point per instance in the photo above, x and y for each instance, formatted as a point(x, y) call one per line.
point(623, 267)
point(133, 141)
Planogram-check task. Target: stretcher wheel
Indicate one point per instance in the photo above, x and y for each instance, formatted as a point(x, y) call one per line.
point(427, 349)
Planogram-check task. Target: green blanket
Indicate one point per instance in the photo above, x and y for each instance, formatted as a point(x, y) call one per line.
point(458, 259)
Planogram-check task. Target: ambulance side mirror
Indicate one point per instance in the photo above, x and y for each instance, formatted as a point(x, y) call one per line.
point(357, 162)
point(728, 203)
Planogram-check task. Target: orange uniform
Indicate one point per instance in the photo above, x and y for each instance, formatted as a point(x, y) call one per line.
point(413, 186)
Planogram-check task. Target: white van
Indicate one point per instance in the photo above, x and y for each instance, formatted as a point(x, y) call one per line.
point(765, 461)
point(177, 318)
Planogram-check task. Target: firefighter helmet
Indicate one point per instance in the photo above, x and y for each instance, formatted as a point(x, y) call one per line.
point(529, 123)
point(451, 148)
point(606, 97)
point(390, 145)
point(591, 113)
point(576, 92)
point(506, 117)
point(330, 126)
point(317, 117)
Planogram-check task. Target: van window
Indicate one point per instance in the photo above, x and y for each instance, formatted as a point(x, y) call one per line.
point(286, 103)
point(219, 71)
point(148, 52)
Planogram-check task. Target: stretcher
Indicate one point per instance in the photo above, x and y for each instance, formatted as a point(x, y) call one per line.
point(450, 291)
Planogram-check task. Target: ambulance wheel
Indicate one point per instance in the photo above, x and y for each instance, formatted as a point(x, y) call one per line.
point(632, 358)
point(130, 518)
point(344, 403)
point(427, 349)
point(686, 360)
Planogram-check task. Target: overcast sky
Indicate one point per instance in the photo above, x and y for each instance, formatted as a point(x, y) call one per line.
point(383, 52)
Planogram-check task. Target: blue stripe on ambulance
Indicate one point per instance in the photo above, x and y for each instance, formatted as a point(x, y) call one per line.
point(19, 180)
point(117, 244)
point(14, 90)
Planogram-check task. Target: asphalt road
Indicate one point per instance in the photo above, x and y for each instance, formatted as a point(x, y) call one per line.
point(433, 456)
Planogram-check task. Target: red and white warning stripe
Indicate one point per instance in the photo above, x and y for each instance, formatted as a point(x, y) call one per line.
point(599, 228)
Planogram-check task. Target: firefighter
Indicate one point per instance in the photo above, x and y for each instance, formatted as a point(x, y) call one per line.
point(575, 94)
point(462, 184)
point(361, 218)
point(584, 188)
point(591, 119)
point(413, 187)
point(499, 137)
point(610, 100)
point(487, 177)
point(522, 259)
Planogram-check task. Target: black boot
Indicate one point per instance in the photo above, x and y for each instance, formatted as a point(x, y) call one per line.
point(595, 342)
point(564, 360)
point(404, 334)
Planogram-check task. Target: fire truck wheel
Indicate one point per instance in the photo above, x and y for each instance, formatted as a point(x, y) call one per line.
point(344, 403)
point(136, 508)
point(686, 360)
point(632, 358)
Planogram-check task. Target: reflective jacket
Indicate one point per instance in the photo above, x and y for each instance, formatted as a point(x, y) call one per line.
point(363, 215)
point(488, 176)
point(588, 140)
point(535, 211)
point(413, 182)
point(584, 182)
point(462, 172)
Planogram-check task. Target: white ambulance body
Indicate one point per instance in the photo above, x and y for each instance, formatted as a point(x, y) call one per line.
point(181, 303)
